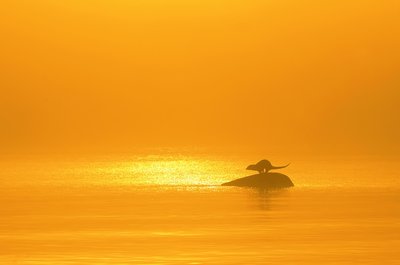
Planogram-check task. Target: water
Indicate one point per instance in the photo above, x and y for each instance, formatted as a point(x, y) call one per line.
point(170, 209)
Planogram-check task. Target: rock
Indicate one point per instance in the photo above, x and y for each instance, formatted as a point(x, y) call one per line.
point(264, 180)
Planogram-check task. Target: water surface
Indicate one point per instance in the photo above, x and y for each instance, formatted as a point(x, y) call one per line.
point(171, 210)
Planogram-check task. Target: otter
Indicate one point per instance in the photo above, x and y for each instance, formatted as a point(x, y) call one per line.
point(263, 166)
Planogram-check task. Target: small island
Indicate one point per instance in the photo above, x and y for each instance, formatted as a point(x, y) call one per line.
point(263, 180)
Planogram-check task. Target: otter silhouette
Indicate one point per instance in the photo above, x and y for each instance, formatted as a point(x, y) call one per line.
point(263, 166)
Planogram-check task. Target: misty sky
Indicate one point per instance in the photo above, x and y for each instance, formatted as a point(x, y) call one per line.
point(281, 76)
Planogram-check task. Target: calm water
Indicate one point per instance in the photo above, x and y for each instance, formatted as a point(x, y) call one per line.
point(170, 209)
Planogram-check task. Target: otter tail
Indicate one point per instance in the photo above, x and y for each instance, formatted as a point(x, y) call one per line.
point(280, 167)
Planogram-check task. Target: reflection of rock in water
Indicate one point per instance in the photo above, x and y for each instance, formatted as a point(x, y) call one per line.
point(264, 181)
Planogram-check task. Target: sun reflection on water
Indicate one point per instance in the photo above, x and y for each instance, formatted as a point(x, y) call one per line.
point(169, 170)
point(190, 171)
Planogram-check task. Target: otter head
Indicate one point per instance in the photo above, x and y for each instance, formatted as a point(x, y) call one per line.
point(252, 167)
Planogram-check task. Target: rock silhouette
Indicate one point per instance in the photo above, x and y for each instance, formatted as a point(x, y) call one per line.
point(264, 180)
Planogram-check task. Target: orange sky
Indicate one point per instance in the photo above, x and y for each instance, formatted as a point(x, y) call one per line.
point(281, 76)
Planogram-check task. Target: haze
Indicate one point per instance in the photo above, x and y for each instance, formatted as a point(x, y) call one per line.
point(281, 76)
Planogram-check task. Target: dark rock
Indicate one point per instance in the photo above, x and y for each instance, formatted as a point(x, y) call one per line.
point(264, 180)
